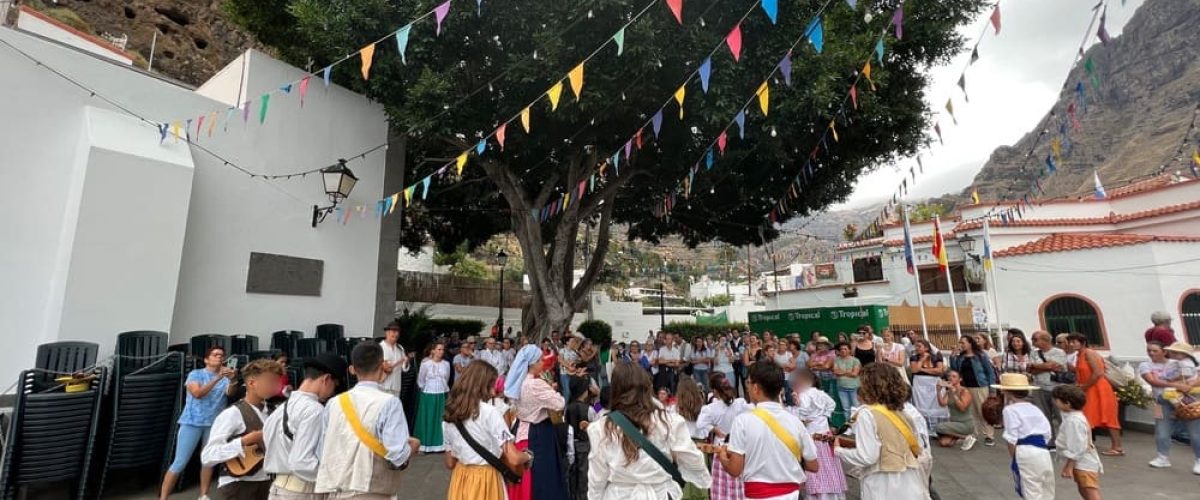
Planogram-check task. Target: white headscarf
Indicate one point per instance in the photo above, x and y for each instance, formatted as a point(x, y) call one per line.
point(520, 367)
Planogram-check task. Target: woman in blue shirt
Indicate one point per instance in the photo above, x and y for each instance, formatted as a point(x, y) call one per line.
point(206, 391)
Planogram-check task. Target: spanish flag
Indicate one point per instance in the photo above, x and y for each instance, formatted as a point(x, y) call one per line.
point(975, 196)
point(939, 247)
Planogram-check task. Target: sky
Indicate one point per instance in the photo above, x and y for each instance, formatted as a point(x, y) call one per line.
point(1011, 87)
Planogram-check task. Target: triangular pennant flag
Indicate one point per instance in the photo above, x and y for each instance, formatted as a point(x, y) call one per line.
point(228, 117)
point(866, 71)
point(996, 18)
point(162, 132)
point(771, 7)
point(816, 34)
point(898, 21)
point(637, 138)
point(408, 194)
point(616, 164)
point(393, 201)
point(555, 93)
point(1195, 166)
point(764, 98)
point(212, 122)
point(676, 7)
point(501, 131)
point(1103, 32)
point(576, 77)
point(734, 41)
point(785, 67)
point(440, 14)
point(833, 128)
point(879, 50)
point(708, 159)
point(974, 55)
point(1089, 65)
point(246, 112)
point(628, 149)
point(525, 119)
point(679, 95)
point(741, 122)
point(722, 140)
point(326, 74)
point(368, 55)
point(481, 147)
point(937, 127)
point(1050, 165)
point(705, 73)
point(199, 125)
point(962, 84)
point(619, 38)
point(592, 183)
point(262, 109)
point(950, 109)
point(582, 188)
point(286, 88)
point(402, 42)
point(303, 89)
point(656, 122)
point(460, 162)
point(854, 96)
point(853, 4)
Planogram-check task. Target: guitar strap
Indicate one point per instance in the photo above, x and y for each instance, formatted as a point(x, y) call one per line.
point(781, 433)
point(287, 431)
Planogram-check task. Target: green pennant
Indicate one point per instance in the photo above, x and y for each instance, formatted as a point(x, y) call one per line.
point(262, 110)
point(1089, 66)
point(620, 39)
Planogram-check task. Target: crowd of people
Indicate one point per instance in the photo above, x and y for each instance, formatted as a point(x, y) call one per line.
point(725, 416)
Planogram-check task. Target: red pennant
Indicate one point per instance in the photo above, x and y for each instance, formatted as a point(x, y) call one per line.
point(677, 9)
point(996, 19)
point(637, 138)
point(734, 41)
point(303, 90)
point(854, 95)
point(500, 131)
point(721, 141)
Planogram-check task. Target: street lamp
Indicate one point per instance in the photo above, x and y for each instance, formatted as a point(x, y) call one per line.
point(966, 243)
point(338, 181)
point(502, 258)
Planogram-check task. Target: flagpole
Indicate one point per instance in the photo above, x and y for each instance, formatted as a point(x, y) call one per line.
point(990, 268)
point(916, 275)
point(949, 282)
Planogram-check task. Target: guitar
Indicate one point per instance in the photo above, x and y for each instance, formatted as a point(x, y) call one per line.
point(249, 463)
point(843, 441)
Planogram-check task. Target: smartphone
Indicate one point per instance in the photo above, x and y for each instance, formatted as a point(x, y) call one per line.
point(232, 362)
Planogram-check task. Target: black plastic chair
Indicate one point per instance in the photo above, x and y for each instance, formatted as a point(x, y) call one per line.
point(286, 341)
point(308, 348)
point(51, 435)
point(243, 344)
point(63, 358)
point(201, 343)
point(267, 354)
point(145, 401)
point(143, 345)
point(332, 334)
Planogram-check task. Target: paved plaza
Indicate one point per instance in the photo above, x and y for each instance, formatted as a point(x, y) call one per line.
point(980, 474)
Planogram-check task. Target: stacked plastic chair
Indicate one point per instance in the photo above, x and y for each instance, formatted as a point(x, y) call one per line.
point(63, 357)
point(243, 344)
point(332, 334)
point(286, 341)
point(147, 389)
point(201, 343)
point(51, 437)
point(308, 348)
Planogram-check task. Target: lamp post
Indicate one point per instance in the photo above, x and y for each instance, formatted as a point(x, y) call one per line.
point(338, 181)
point(502, 258)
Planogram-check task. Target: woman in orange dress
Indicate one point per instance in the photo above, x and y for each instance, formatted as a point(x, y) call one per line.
point(1101, 407)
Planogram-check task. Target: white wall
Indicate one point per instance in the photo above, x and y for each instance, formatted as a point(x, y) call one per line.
point(35, 22)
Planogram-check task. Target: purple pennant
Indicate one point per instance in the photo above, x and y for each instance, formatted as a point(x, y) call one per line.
point(785, 67)
point(656, 122)
point(898, 20)
point(628, 149)
point(246, 112)
point(440, 12)
point(741, 121)
point(705, 72)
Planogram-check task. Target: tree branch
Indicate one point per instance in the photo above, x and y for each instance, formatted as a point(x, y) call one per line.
point(596, 264)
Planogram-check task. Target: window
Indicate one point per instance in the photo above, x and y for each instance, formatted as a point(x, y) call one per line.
point(1073, 314)
point(1189, 314)
point(933, 280)
point(868, 269)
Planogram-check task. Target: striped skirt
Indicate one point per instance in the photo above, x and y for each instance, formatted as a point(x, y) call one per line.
point(476, 482)
point(724, 486)
point(829, 478)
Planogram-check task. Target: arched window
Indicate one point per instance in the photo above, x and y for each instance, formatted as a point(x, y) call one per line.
point(1071, 313)
point(1189, 315)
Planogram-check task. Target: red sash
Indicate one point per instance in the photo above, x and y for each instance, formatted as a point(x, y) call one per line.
point(768, 490)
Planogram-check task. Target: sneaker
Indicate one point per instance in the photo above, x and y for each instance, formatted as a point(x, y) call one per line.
point(203, 497)
point(1160, 462)
point(1196, 468)
point(968, 443)
point(989, 442)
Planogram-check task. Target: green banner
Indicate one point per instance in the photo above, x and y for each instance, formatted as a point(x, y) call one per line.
point(715, 319)
point(828, 320)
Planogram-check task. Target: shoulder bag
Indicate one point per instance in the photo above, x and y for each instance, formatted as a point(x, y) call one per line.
point(512, 473)
point(655, 454)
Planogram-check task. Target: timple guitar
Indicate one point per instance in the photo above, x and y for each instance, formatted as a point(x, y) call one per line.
point(249, 463)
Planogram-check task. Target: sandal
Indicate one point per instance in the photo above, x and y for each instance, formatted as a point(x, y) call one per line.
point(1113, 453)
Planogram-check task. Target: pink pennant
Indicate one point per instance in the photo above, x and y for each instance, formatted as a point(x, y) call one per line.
point(582, 186)
point(500, 134)
point(199, 125)
point(854, 95)
point(440, 13)
point(303, 90)
point(734, 41)
point(722, 140)
point(677, 9)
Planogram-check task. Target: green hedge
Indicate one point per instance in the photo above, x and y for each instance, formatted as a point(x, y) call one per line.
point(418, 329)
point(691, 330)
point(599, 332)
point(465, 327)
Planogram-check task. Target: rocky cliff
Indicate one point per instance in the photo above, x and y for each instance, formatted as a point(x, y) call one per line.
point(1135, 118)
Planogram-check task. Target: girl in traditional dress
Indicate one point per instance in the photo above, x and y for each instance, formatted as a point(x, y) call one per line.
point(618, 468)
point(814, 408)
point(688, 403)
point(927, 368)
point(716, 420)
point(472, 477)
point(888, 447)
point(533, 398)
point(434, 382)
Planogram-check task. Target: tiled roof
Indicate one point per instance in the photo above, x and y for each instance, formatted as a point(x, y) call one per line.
point(1112, 218)
point(1150, 184)
point(919, 239)
point(1064, 242)
point(870, 242)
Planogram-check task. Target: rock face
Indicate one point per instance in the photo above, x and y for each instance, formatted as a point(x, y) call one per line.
point(1135, 120)
point(194, 37)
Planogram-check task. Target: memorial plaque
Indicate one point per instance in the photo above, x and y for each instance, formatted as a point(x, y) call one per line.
point(284, 275)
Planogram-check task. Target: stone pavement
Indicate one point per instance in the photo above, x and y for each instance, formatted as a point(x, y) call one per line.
point(980, 474)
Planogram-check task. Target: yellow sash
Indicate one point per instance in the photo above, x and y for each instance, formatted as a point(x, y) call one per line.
point(901, 426)
point(367, 439)
point(779, 431)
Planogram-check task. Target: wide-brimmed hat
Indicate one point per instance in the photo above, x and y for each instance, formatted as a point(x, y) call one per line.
point(1014, 382)
point(1180, 347)
point(327, 362)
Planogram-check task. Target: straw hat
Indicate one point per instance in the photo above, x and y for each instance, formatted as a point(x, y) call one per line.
point(1014, 382)
point(1179, 347)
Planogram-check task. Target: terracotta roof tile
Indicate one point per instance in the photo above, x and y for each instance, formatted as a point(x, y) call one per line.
point(920, 239)
point(1086, 221)
point(870, 242)
point(1064, 242)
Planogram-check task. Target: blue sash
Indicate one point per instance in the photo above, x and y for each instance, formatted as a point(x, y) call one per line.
point(1037, 440)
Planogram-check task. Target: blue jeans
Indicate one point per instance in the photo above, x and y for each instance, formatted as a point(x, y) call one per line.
point(1164, 426)
point(564, 385)
point(849, 398)
point(185, 445)
point(701, 376)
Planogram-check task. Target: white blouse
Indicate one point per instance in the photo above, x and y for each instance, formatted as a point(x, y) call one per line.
point(814, 407)
point(611, 477)
point(434, 377)
point(719, 415)
point(911, 484)
point(487, 429)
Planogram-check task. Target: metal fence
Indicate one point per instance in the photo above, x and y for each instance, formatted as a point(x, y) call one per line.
point(943, 336)
point(415, 286)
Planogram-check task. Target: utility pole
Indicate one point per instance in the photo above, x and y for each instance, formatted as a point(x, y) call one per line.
point(749, 281)
point(662, 307)
point(587, 260)
point(775, 274)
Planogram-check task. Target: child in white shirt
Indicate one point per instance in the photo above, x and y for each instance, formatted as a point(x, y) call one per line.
point(814, 407)
point(1074, 442)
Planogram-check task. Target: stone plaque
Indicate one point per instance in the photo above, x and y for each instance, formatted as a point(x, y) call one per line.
point(284, 275)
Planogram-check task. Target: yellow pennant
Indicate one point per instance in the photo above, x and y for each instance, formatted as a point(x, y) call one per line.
point(555, 93)
point(576, 77)
point(395, 201)
point(1056, 148)
point(764, 98)
point(408, 194)
point(1196, 157)
point(833, 128)
point(212, 122)
point(679, 95)
point(525, 119)
point(175, 128)
point(368, 55)
point(975, 197)
point(566, 200)
point(867, 73)
point(461, 162)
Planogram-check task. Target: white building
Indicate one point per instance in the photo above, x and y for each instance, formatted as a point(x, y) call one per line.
point(1094, 266)
point(109, 230)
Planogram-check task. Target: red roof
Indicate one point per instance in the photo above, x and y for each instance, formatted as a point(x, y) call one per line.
point(1064, 242)
point(870, 242)
point(99, 42)
point(1112, 218)
point(920, 239)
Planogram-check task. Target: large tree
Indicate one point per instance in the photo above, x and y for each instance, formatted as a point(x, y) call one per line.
point(488, 64)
